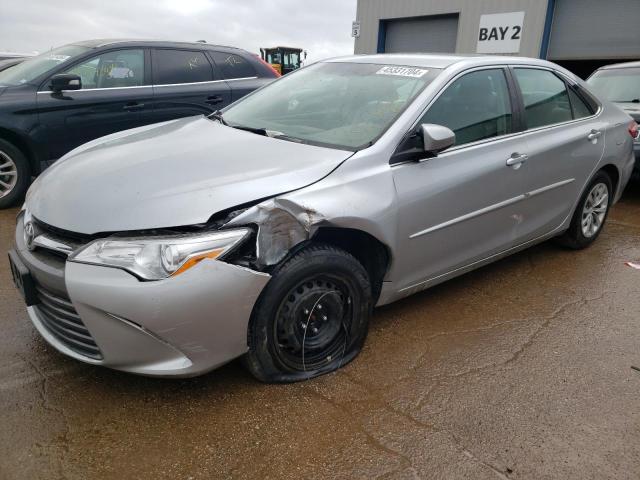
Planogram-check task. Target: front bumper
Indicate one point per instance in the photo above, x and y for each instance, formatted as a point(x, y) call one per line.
point(182, 326)
point(636, 151)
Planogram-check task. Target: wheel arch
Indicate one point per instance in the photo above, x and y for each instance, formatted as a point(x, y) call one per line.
point(614, 174)
point(374, 255)
point(24, 145)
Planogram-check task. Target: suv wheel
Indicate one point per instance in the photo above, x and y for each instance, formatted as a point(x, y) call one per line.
point(14, 174)
point(312, 317)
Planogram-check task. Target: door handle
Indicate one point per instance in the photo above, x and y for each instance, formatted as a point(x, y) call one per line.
point(133, 106)
point(594, 135)
point(516, 160)
point(214, 99)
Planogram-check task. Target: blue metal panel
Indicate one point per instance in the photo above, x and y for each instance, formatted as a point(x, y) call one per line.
point(546, 34)
point(382, 36)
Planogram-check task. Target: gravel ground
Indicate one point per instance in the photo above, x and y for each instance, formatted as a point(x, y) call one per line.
point(519, 370)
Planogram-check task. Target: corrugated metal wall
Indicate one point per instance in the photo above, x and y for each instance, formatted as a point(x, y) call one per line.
point(584, 29)
point(370, 12)
point(436, 34)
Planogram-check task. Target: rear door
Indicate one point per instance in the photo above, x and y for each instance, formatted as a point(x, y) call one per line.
point(184, 84)
point(565, 142)
point(239, 73)
point(116, 95)
point(465, 204)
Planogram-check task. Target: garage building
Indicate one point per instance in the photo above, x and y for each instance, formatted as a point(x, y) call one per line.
point(578, 34)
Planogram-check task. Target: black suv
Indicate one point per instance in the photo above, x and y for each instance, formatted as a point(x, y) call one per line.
point(56, 101)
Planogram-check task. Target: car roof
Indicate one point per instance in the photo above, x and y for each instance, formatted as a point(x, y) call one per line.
point(281, 46)
point(105, 42)
point(620, 65)
point(8, 55)
point(431, 60)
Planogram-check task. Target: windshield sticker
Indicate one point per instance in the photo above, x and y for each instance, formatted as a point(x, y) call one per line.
point(402, 71)
point(58, 58)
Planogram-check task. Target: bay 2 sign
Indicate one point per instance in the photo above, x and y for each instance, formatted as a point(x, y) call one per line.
point(500, 33)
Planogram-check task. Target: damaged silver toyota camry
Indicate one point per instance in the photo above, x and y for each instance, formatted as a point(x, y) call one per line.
point(271, 229)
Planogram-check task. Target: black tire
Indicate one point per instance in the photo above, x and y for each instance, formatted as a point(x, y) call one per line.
point(9, 154)
point(311, 318)
point(575, 237)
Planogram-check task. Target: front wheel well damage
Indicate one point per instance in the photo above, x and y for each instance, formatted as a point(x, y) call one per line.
point(282, 227)
point(368, 250)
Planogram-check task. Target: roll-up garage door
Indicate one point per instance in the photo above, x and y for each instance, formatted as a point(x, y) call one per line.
point(422, 34)
point(584, 29)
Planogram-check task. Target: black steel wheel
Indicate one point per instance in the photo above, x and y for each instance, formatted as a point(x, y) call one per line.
point(312, 317)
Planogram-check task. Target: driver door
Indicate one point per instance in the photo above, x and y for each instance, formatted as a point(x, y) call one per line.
point(115, 96)
point(463, 205)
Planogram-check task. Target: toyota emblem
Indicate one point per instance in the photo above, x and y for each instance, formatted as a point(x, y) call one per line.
point(29, 235)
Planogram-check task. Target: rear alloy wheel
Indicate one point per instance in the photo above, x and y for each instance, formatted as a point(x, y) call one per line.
point(312, 318)
point(14, 174)
point(595, 210)
point(591, 213)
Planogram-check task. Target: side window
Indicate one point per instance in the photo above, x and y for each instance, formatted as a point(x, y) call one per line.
point(233, 66)
point(580, 108)
point(546, 100)
point(292, 59)
point(180, 66)
point(475, 107)
point(118, 68)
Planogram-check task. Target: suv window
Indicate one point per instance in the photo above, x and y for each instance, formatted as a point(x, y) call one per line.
point(233, 66)
point(475, 106)
point(546, 100)
point(180, 66)
point(118, 68)
point(617, 84)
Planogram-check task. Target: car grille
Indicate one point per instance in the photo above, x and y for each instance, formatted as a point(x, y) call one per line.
point(69, 239)
point(63, 322)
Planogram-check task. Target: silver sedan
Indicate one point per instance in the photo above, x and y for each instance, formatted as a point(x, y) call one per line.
point(271, 229)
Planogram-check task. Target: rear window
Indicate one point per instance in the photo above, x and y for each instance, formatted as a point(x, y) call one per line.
point(233, 66)
point(617, 84)
point(180, 66)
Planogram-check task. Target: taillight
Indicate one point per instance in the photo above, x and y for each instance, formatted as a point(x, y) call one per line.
point(634, 131)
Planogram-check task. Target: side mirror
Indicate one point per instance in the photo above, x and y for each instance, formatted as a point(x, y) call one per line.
point(65, 81)
point(436, 138)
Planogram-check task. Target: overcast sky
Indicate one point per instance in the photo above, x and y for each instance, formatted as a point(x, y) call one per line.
point(323, 28)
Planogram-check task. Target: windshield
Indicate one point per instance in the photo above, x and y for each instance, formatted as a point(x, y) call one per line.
point(29, 70)
point(340, 105)
point(617, 84)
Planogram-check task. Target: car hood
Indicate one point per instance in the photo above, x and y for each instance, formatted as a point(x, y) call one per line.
point(171, 174)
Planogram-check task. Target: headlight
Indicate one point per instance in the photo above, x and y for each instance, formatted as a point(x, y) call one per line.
point(155, 258)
